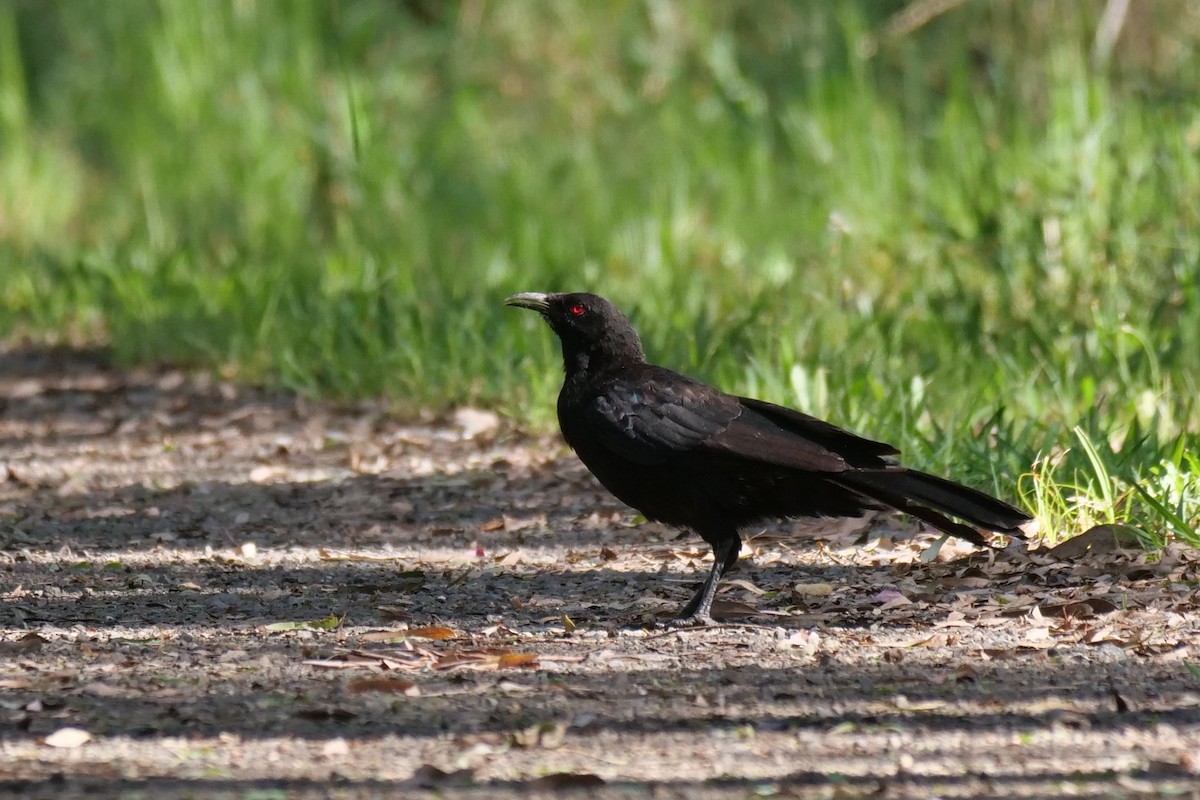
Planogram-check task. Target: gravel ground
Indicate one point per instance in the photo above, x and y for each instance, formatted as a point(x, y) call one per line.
point(207, 590)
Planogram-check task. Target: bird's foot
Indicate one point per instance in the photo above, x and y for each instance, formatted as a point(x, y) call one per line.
point(693, 620)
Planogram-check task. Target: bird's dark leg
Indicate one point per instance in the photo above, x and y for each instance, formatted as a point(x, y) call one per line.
point(696, 612)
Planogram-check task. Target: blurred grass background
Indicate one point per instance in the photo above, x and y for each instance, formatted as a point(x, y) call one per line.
point(967, 227)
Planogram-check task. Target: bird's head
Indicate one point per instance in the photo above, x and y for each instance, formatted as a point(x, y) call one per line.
point(594, 333)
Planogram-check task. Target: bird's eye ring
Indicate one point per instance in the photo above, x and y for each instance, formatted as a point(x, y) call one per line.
point(577, 310)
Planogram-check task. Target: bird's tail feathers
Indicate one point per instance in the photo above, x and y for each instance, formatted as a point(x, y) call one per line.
point(929, 498)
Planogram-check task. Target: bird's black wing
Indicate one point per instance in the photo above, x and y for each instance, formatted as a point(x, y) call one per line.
point(785, 424)
point(656, 415)
point(652, 419)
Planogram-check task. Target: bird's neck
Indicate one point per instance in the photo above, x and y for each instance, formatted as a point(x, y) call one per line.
point(582, 363)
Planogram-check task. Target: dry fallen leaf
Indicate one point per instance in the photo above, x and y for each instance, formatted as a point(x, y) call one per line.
point(29, 643)
point(395, 613)
point(330, 555)
point(890, 597)
point(334, 663)
point(65, 738)
point(1095, 541)
point(805, 641)
point(336, 747)
point(566, 781)
point(515, 660)
point(732, 608)
point(475, 421)
point(1102, 635)
point(1038, 635)
point(431, 777)
point(384, 636)
point(745, 585)
point(544, 734)
point(265, 473)
point(486, 659)
point(934, 640)
point(435, 632)
point(325, 624)
point(510, 559)
point(1080, 609)
point(904, 704)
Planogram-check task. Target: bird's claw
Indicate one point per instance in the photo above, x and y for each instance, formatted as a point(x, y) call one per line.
point(690, 621)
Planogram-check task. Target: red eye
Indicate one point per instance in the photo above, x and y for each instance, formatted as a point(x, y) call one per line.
point(577, 310)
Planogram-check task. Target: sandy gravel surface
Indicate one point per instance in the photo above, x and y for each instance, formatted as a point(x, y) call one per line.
point(212, 591)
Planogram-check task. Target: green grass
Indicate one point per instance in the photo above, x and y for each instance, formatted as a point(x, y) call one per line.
point(976, 242)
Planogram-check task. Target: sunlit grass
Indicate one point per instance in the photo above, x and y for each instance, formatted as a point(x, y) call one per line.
point(973, 243)
point(1159, 501)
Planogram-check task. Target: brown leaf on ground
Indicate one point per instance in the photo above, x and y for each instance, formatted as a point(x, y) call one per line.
point(436, 632)
point(1096, 541)
point(1079, 609)
point(29, 643)
point(732, 609)
point(565, 782)
point(813, 589)
point(431, 777)
point(387, 685)
point(517, 660)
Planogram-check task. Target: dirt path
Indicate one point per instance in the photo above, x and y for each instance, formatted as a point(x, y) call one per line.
point(477, 615)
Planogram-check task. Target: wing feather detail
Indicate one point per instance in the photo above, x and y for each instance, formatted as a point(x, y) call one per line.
point(653, 422)
point(651, 419)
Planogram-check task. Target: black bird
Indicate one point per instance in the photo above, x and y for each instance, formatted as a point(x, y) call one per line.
point(689, 455)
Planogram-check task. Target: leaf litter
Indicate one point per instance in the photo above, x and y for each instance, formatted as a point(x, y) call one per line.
point(220, 585)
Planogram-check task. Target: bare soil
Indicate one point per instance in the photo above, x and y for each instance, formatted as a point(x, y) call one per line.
point(208, 590)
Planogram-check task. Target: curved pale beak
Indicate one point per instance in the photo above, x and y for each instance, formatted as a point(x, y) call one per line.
point(531, 300)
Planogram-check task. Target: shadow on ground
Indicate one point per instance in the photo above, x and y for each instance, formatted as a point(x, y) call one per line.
point(153, 524)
